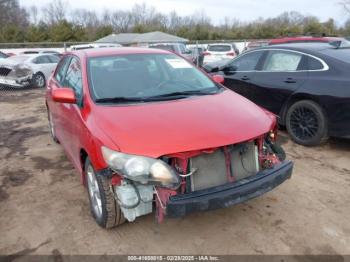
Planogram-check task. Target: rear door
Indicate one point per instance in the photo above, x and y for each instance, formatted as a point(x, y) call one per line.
point(240, 73)
point(281, 73)
point(44, 65)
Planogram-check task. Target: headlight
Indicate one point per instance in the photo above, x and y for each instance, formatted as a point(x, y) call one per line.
point(142, 169)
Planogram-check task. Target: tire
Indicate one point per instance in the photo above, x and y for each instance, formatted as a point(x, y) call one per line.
point(306, 123)
point(104, 208)
point(52, 127)
point(39, 80)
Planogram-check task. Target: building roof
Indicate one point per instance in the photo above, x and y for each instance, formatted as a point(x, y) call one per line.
point(158, 37)
point(125, 38)
point(151, 37)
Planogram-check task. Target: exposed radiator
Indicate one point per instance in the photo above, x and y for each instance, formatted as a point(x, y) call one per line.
point(211, 168)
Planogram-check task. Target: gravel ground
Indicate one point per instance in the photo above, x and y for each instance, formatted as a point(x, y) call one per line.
point(44, 207)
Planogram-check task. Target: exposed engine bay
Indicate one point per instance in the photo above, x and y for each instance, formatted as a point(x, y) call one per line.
point(197, 171)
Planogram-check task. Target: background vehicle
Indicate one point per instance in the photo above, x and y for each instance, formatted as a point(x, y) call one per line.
point(3, 55)
point(177, 48)
point(27, 70)
point(33, 52)
point(256, 44)
point(217, 52)
point(93, 45)
point(145, 125)
point(197, 52)
point(304, 39)
point(306, 84)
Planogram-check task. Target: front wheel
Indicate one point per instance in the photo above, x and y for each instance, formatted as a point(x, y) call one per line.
point(104, 207)
point(52, 127)
point(39, 80)
point(306, 123)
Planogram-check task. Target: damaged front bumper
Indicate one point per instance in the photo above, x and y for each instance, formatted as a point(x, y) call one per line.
point(19, 82)
point(229, 194)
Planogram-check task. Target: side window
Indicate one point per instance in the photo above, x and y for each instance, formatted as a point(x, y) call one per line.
point(247, 62)
point(282, 61)
point(41, 60)
point(54, 59)
point(73, 77)
point(314, 64)
point(61, 69)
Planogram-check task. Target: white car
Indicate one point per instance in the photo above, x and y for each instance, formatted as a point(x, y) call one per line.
point(27, 70)
point(93, 45)
point(216, 52)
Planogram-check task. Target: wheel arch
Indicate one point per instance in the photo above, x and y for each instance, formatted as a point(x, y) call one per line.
point(293, 99)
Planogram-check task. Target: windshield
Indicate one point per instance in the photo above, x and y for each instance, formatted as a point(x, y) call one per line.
point(143, 76)
point(219, 48)
point(2, 55)
point(342, 54)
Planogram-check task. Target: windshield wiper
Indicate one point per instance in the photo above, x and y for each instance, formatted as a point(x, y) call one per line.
point(120, 99)
point(183, 94)
point(169, 96)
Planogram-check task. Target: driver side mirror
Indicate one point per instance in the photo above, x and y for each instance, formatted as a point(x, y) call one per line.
point(229, 69)
point(218, 79)
point(64, 95)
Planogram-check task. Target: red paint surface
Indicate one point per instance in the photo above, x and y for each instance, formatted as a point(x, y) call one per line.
point(153, 129)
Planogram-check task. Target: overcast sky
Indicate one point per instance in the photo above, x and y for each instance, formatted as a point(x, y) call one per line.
point(244, 10)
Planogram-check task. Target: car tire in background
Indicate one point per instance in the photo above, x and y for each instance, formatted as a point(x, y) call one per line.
point(306, 123)
point(52, 127)
point(39, 80)
point(103, 205)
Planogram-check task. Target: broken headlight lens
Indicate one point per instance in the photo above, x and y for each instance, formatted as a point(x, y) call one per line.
point(141, 169)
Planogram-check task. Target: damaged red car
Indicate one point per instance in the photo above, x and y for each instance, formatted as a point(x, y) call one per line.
point(149, 132)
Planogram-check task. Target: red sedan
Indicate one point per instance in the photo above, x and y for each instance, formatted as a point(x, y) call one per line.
point(147, 131)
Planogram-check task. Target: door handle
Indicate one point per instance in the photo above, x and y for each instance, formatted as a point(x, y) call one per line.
point(245, 78)
point(290, 80)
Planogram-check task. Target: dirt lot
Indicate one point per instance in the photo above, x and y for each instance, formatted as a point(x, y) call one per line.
point(44, 208)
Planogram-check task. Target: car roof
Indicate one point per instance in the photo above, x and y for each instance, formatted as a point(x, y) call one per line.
point(117, 51)
point(304, 39)
point(300, 46)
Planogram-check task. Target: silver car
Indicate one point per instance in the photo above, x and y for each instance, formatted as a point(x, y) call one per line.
point(27, 70)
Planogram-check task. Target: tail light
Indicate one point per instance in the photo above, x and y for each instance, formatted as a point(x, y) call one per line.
point(206, 53)
point(231, 54)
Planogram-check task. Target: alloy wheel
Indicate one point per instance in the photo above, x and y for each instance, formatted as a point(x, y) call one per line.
point(304, 123)
point(39, 80)
point(94, 192)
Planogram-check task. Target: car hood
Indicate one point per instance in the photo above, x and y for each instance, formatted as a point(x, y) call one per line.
point(8, 63)
point(200, 122)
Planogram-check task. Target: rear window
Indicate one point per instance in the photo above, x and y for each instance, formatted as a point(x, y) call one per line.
point(340, 54)
point(219, 48)
point(30, 52)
